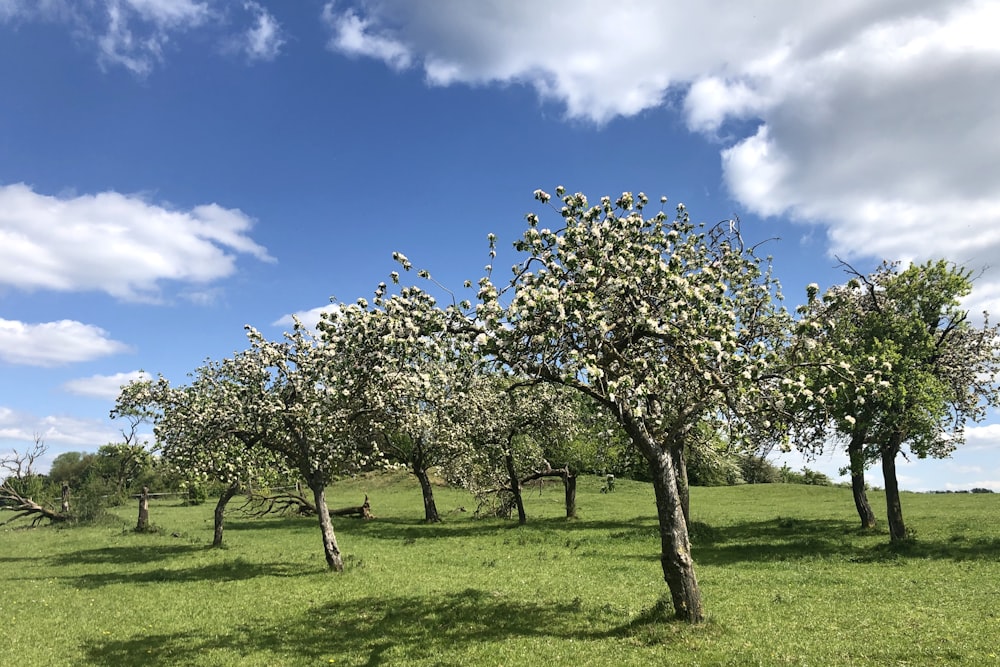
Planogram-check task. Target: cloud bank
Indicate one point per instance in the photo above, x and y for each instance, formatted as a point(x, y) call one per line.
point(878, 119)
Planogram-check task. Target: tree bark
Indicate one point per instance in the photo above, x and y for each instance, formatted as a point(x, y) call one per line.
point(675, 545)
point(220, 513)
point(427, 490)
point(569, 482)
point(515, 487)
point(893, 507)
point(142, 525)
point(855, 451)
point(330, 549)
point(683, 490)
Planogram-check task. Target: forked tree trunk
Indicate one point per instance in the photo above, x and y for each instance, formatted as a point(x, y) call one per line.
point(330, 549)
point(427, 490)
point(220, 513)
point(675, 545)
point(569, 483)
point(856, 454)
point(142, 525)
point(893, 508)
point(515, 487)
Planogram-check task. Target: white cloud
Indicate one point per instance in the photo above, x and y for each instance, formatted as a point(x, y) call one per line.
point(309, 318)
point(352, 36)
point(54, 343)
point(104, 386)
point(115, 243)
point(874, 118)
point(264, 40)
point(992, 484)
point(61, 430)
point(982, 437)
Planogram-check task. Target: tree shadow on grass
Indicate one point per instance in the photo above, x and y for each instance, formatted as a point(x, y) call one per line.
point(400, 529)
point(786, 539)
point(124, 554)
point(956, 547)
point(237, 570)
point(367, 631)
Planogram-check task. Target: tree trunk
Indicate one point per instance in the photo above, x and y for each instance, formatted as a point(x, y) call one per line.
point(675, 546)
point(330, 549)
point(142, 525)
point(220, 513)
point(856, 454)
point(65, 498)
point(569, 482)
point(893, 508)
point(427, 490)
point(515, 487)
point(683, 490)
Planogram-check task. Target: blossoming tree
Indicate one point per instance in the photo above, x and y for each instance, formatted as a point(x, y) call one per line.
point(211, 428)
point(315, 397)
point(419, 408)
point(896, 362)
point(663, 322)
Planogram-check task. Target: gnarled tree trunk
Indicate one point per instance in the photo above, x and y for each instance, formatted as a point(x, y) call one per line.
point(680, 469)
point(331, 551)
point(220, 513)
point(675, 545)
point(856, 454)
point(515, 487)
point(569, 484)
point(420, 467)
point(893, 507)
point(427, 491)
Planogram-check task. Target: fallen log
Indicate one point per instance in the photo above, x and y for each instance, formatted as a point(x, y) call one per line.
point(259, 504)
point(11, 501)
point(363, 511)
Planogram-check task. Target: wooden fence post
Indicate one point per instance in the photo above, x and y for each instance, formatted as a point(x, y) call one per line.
point(143, 524)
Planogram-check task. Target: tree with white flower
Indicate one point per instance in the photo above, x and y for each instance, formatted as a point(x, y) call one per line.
point(210, 429)
point(895, 362)
point(664, 323)
point(419, 408)
point(317, 398)
point(519, 429)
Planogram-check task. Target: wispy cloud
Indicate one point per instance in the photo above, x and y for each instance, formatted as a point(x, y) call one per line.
point(263, 40)
point(140, 34)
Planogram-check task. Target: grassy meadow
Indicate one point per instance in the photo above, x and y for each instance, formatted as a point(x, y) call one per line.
point(786, 576)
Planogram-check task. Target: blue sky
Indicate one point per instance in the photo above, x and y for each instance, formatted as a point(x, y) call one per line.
point(171, 170)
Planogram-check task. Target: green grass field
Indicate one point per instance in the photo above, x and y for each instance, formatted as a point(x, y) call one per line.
point(787, 579)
